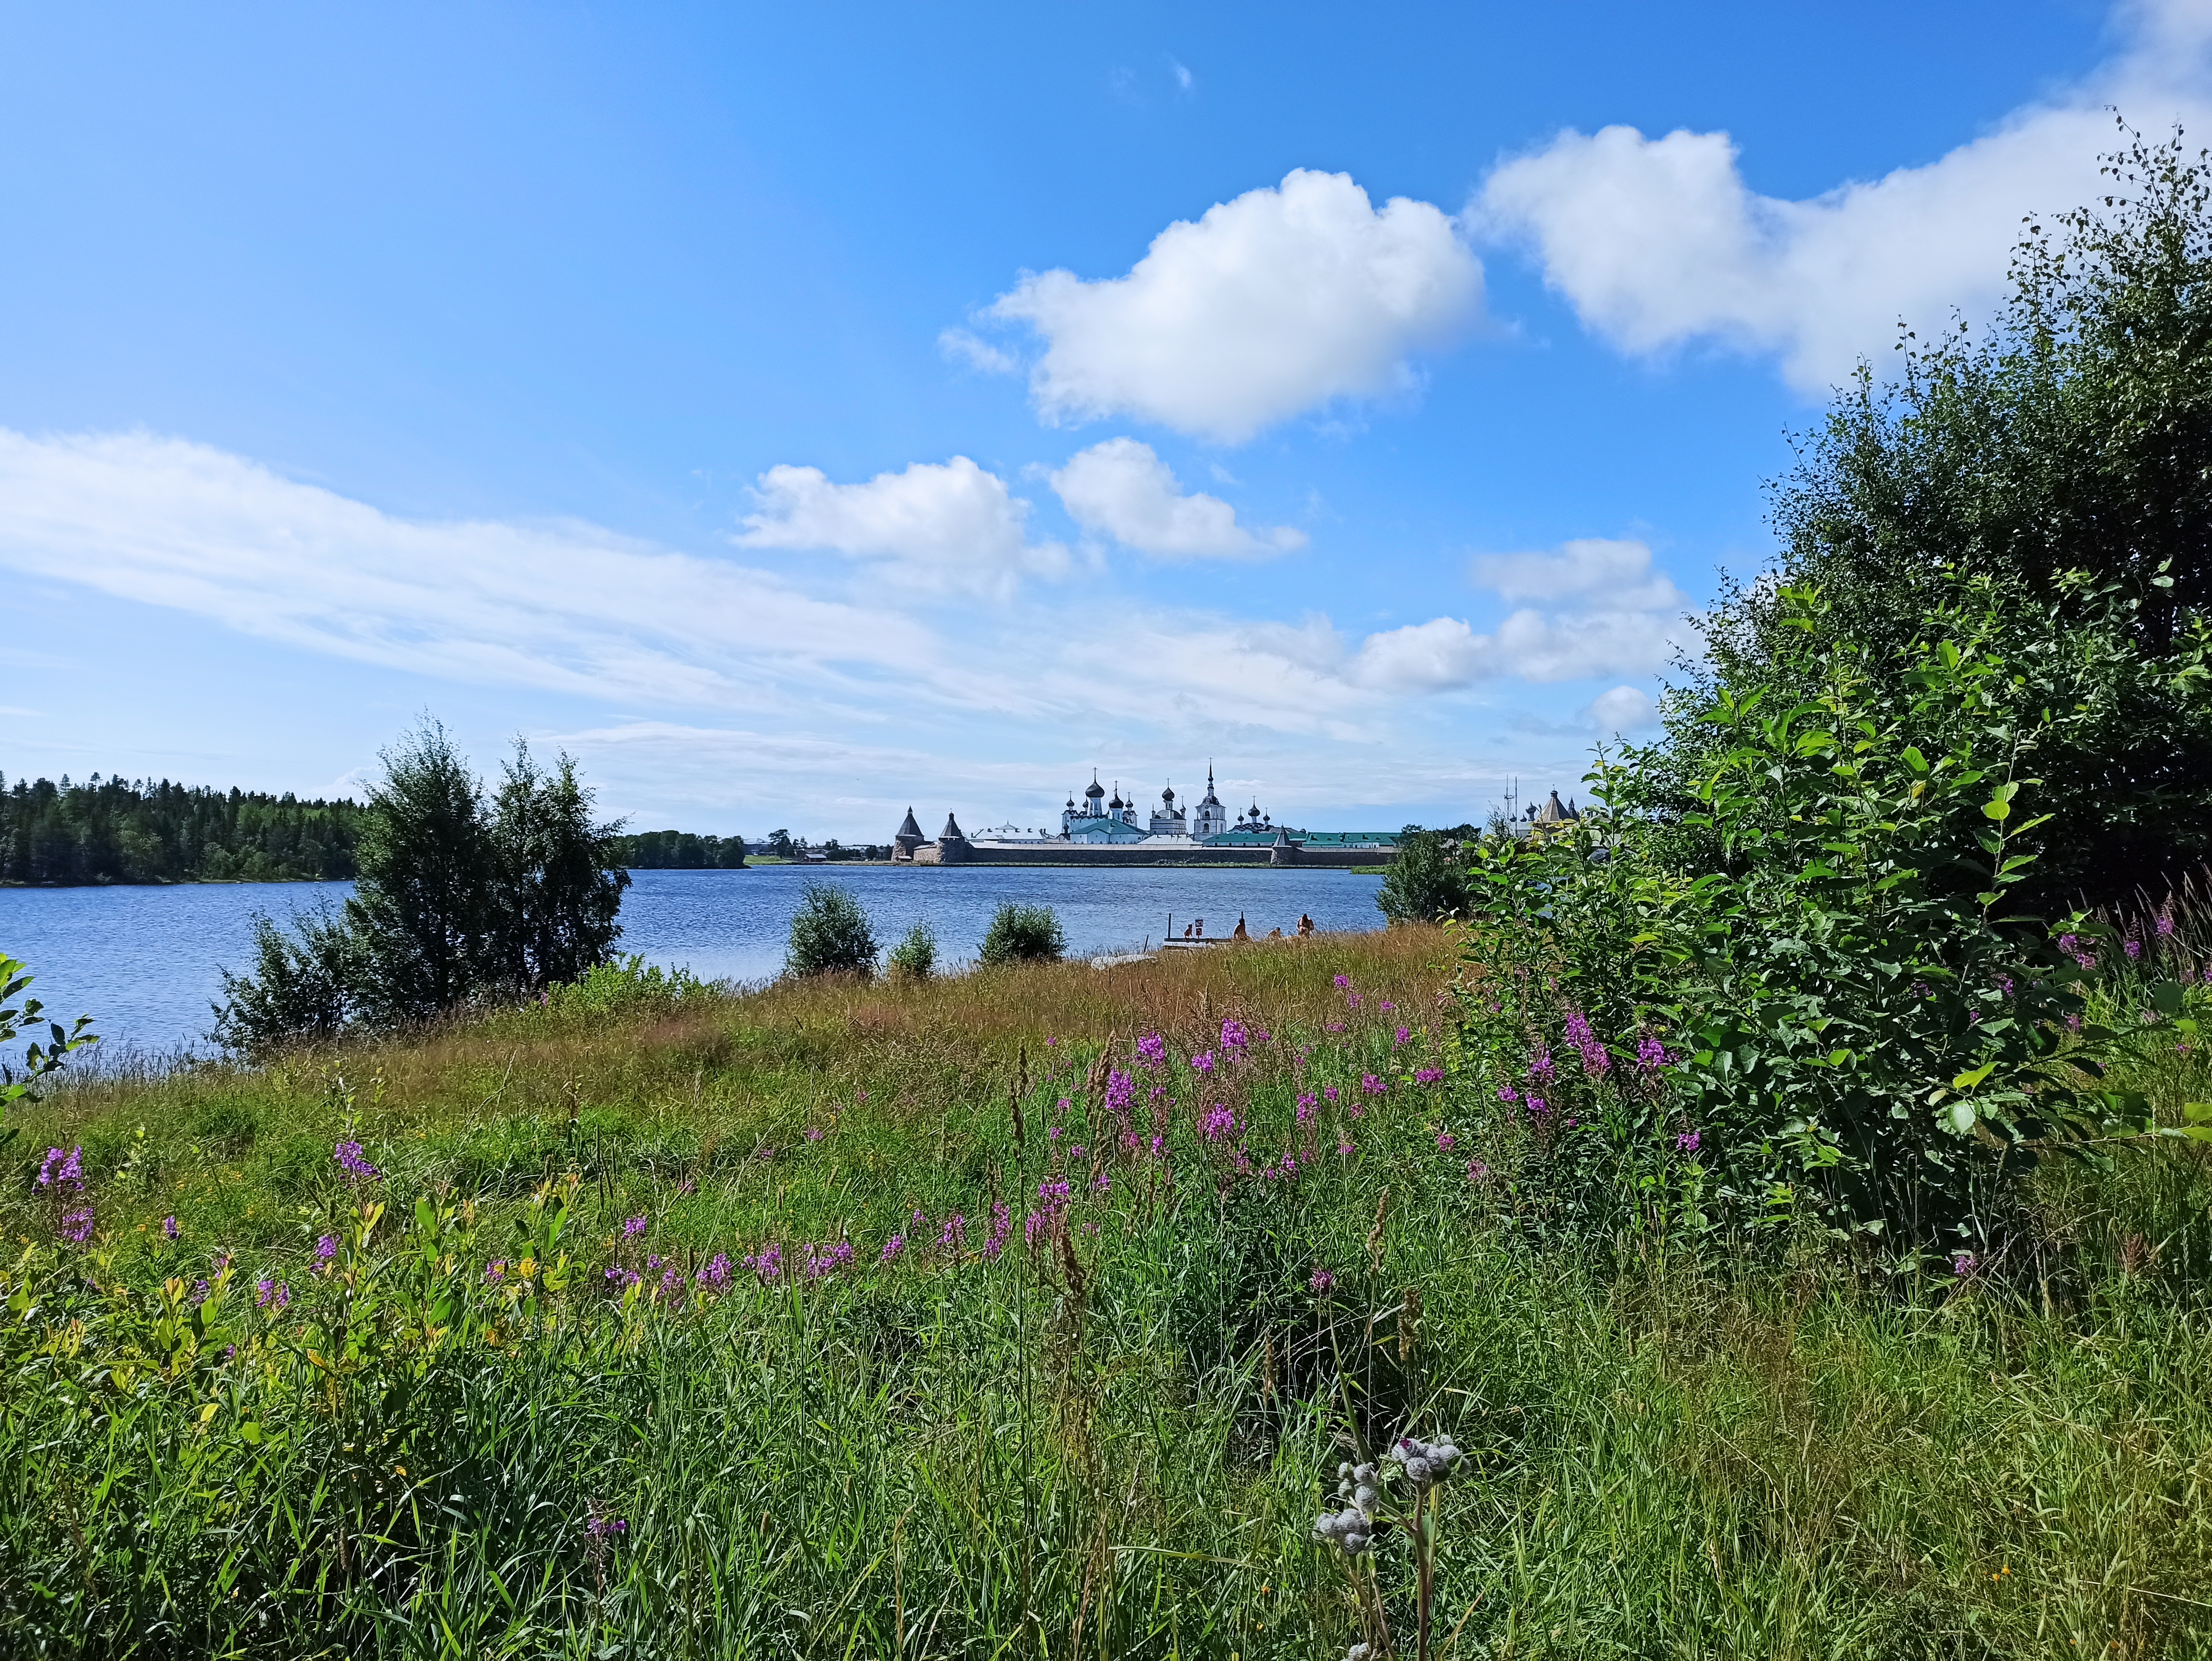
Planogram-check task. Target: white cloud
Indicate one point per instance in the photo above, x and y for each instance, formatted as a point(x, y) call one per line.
point(1274, 303)
point(563, 606)
point(964, 347)
point(1658, 242)
point(1617, 572)
point(1624, 709)
point(1611, 615)
point(1445, 652)
point(1185, 83)
point(948, 525)
point(1122, 489)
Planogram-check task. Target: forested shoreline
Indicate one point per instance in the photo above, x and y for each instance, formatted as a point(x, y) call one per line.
point(109, 830)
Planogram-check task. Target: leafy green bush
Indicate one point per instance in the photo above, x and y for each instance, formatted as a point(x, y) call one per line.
point(1841, 1024)
point(1428, 881)
point(830, 933)
point(916, 955)
point(623, 986)
point(2066, 455)
point(1023, 934)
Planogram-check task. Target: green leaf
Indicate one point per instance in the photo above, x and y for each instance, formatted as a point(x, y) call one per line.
point(1960, 1115)
point(1968, 1081)
point(1914, 760)
point(2197, 1112)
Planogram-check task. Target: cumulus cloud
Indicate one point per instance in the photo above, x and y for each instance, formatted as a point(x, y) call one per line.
point(563, 606)
point(937, 525)
point(1122, 489)
point(1610, 613)
point(1281, 301)
point(1659, 242)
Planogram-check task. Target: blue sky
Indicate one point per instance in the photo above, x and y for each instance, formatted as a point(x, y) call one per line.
point(798, 412)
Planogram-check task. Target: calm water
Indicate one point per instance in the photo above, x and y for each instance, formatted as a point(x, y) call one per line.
point(145, 961)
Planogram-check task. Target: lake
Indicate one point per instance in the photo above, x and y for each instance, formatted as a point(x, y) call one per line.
point(145, 963)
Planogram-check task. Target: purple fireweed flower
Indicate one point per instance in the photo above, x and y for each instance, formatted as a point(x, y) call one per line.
point(1063, 1105)
point(1343, 1146)
point(1964, 1263)
point(2134, 949)
point(1260, 1036)
point(1233, 1035)
point(607, 1528)
point(1120, 1088)
point(496, 1270)
point(1102, 1183)
point(1332, 1026)
point(77, 1226)
point(1001, 1225)
point(1428, 1075)
point(1160, 1147)
point(1344, 982)
point(671, 1281)
point(1328, 1090)
point(271, 1295)
point(716, 1274)
point(1352, 999)
point(1403, 1036)
point(1536, 1107)
point(954, 1234)
point(1385, 1005)
point(634, 1226)
point(1053, 1134)
point(1650, 1053)
point(827, 1262)
point(1321, 1280)
point(200, 1291)
point(1219, 1121)
point(326, 1247)
point(1507, 1093)
point(1443, 1141)
point(1049, 1042)
point(892, 1247)
point(169, 1228)
point(60, 1170)
point(1202, 1063)
point(1688, 1142)
point(2004, 984)
point(2073, 1022)
point(813, 1133)
point(348, 1158)
point(1152, 1051)
point(1305, 1106)
point(1372, 1086)
point(766, 1263)
point(2165, 926)
point(1476, 1171)
point(1540, 1070)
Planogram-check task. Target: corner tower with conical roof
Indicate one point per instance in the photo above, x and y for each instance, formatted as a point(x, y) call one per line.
point(909, 837)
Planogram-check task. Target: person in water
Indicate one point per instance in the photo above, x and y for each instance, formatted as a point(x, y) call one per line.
point(1305, 925)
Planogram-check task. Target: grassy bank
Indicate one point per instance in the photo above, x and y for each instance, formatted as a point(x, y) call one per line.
point(686, 1325)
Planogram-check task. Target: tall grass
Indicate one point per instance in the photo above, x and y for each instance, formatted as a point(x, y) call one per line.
point(1110, 1435)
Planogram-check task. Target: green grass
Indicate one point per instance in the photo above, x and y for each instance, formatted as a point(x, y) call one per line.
point(1109, 1440)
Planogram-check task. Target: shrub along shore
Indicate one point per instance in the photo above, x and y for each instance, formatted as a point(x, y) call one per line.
point(1030, 1311)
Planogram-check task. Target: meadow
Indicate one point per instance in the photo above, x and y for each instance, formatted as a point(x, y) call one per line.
point(1032, 1312)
